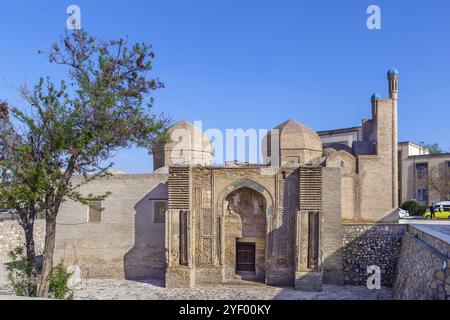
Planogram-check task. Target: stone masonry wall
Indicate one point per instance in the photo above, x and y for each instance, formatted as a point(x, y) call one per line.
point(423, 271)
point(12, 236)
point(366, 245)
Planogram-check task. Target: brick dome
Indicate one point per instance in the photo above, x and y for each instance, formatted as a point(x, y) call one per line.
point(297, 143)
point(188, 145)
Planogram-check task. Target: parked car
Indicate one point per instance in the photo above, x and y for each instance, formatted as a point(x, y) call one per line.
point(403, 213)
point(441, 211)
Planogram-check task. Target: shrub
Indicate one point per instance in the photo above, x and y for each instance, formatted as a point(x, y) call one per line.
point(58, 288)
point(21, 275)
point(414, 208)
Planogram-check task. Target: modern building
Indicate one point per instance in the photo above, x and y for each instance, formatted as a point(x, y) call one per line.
point(424, 177)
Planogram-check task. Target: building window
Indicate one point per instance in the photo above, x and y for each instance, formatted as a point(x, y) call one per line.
point(421, 170)
point(422, 194)
point(159, 211)
point(95, 211)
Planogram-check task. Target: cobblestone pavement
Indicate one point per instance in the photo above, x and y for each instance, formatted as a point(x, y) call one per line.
point(154, 290)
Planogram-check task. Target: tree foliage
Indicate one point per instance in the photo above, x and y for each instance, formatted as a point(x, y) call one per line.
point(438, 182)
point(413, 207)
point(434, 148)
point(75, 127)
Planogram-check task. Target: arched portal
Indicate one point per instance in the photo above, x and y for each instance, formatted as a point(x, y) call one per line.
point(248, 208)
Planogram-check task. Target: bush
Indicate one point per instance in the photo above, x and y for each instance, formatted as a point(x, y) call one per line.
point(22, 276)
point(58, 288)
point(24, 282)
point(414, 208)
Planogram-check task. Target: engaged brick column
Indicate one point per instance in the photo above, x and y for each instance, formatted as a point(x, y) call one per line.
point(179, 230)
point(308, 276)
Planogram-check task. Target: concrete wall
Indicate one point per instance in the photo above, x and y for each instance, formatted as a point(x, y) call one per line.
point(126, 243)
point(423, 271)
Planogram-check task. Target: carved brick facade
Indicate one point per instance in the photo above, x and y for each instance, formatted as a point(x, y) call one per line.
point(281, 224)
point(233, 205)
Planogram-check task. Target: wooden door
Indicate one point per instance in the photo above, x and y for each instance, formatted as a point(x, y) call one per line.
point(245, 256)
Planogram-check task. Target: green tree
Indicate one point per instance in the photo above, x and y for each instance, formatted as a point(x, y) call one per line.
point(438, 182)
point(434, 148)
point(74, 128)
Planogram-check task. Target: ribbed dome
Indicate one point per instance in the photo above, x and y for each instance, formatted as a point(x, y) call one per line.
point(294, 143)
point(194, 132)
point(294, 135)
point(188, 145)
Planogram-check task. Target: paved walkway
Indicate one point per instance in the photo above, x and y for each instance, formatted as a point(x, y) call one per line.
point(154, 290)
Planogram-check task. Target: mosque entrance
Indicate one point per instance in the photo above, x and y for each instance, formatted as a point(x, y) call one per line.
point(246, 207)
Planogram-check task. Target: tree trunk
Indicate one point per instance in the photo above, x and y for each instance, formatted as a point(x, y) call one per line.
point(49, 246)
point(31, 255)
point(26, 221)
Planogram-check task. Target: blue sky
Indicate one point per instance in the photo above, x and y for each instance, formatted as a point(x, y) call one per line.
point(253, 64)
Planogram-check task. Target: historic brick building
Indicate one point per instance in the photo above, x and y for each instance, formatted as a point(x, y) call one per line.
point(194, 223)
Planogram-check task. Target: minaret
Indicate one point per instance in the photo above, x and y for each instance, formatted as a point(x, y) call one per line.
point(374, 99)
point(393, 94)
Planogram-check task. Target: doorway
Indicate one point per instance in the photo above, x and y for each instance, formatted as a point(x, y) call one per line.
point(245, 257)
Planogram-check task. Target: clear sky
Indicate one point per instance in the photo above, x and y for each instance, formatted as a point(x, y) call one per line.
point(253, 64)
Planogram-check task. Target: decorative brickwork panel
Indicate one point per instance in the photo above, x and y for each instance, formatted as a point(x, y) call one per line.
point(159, 211)
point(302, 238)
point(179, 182)
point(207, 236)
point(311, 189)
point(282, 252)
point(288, 204)
point(283, 221)
point(95, 211)
point(206, 198)
point(207, 222)
point(206, 255)
point(282, 238)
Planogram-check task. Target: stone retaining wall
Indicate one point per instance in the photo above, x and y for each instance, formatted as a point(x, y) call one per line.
point(12, 236)
point(423, 271)
point(367, 245)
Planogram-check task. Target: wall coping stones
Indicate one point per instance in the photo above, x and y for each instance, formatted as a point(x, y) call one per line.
point(438, 240)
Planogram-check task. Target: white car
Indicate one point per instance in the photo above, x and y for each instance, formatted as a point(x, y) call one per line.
point(402, 213)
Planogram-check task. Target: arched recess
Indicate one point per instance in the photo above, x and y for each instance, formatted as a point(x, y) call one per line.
point(220, 207)
point(232, 234)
